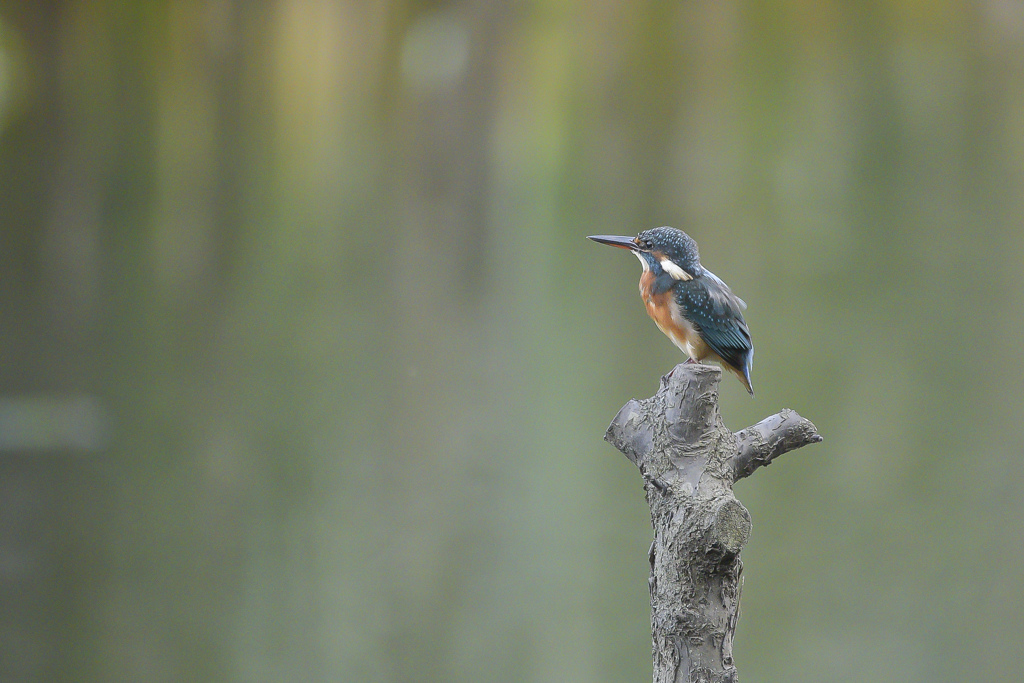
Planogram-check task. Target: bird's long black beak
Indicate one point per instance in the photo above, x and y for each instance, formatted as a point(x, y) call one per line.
point(614, 241)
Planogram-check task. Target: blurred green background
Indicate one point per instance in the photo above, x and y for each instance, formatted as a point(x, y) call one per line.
point(306, 362)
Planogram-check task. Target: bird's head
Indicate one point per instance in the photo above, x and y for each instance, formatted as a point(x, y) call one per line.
point(660, 250)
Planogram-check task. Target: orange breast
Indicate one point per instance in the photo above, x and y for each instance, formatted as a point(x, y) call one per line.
point(660, 308)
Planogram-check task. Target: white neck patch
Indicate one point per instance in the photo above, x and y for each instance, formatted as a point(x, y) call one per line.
point(675, 271)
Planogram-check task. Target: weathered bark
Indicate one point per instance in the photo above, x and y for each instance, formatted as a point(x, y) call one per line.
point(689, 461)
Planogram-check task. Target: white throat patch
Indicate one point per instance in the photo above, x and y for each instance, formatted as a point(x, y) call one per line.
point(643, 261)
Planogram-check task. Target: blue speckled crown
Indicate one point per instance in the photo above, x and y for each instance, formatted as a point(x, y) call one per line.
point(675, 244)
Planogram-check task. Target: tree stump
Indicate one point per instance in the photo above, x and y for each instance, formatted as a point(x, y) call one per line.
point(689, 461)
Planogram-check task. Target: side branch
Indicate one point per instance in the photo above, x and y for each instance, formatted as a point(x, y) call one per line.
point(768, 439)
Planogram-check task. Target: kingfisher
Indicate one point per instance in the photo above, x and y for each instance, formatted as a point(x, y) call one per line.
point(689, 303)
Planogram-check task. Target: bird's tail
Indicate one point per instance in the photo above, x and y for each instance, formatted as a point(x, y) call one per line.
point(744, 373)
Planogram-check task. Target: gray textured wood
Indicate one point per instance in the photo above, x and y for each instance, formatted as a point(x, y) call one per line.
point(689, 461)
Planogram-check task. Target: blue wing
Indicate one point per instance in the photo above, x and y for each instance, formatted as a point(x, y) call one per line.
point(717, 314)
point(708, 273)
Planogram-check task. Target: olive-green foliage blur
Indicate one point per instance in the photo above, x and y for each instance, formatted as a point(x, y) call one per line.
point(306, 362)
